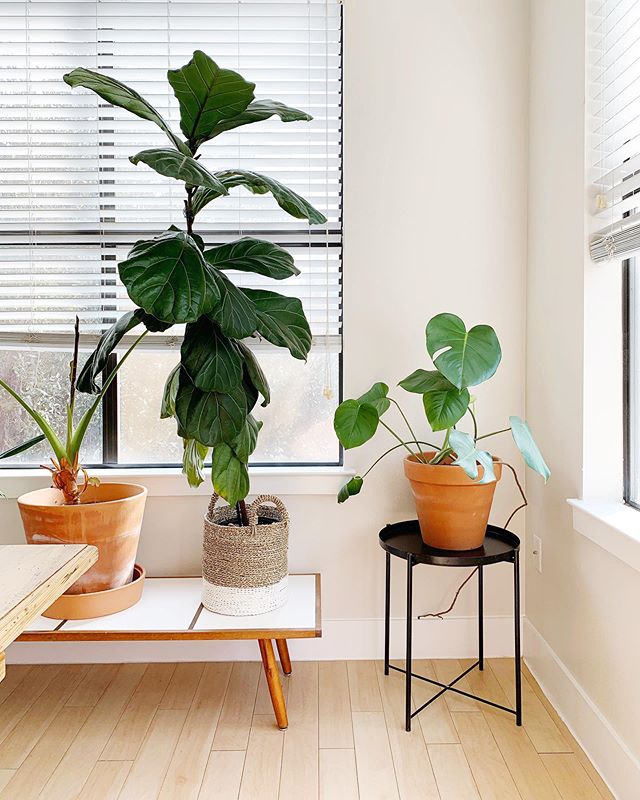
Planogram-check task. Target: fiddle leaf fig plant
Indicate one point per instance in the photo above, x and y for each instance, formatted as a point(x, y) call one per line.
point(461, 359)
point(176, 279)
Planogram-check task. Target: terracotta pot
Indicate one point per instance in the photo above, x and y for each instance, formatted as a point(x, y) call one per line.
point(453, 510)
point(109, 517)
point(98, 604)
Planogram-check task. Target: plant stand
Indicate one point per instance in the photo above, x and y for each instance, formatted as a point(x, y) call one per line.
point(403, 540)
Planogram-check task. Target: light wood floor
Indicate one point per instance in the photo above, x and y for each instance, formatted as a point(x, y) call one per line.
point(139, 732)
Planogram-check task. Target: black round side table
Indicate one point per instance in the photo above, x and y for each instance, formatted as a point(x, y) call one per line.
point(403, 540)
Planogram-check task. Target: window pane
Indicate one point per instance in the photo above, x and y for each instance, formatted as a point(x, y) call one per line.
point(633, 409)
point(298, 423)
point(41, 377)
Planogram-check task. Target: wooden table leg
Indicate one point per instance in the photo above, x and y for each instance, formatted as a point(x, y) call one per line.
point(273, 682)
point(283, 652)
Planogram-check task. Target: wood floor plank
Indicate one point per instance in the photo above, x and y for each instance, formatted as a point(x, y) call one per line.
point(5, 777)
point(485, 684)
point(263, 704)
point(570, 777)
point(223, 775)
point(338, 775)
point(542, 730)
point(374, 762)
point(455, 781)
point(126, 740)
point(299, 772)
point(489, 770)
point(17, 745)
point(261, 774)
point(186, 770)
point(234, 724)
point(24, 696)
point(446, 670)
point(435, 721)
point(182, 686)
point(526, 767)
point(74, 769)
point(588, 767)
point(363, 686)
point(29, 780)
point(414, 775)
point(147, 774)
point(91, 688)
point(16, 673)
point(335, 726)
point(105, 780)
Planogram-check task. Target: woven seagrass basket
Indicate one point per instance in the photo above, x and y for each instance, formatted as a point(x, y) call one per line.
point(244, 568)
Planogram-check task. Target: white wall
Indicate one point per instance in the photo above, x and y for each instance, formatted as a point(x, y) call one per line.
point(435, 204)
point(585, 647)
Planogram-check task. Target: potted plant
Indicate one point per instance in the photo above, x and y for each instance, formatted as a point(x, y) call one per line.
point(452, 483)
point(78, 509)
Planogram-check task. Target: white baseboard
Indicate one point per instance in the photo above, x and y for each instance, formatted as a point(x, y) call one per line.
point(608, 752)
point(453, 637)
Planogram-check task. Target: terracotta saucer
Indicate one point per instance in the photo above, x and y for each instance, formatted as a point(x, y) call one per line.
point(98, 604)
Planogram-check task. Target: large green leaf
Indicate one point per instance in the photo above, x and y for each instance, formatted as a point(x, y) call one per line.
point(425, 380)
point(176, 165)
point(235, 313)
point(466, 358)
point(350, 489)
point(255, 373)
point(355, 423)
point(118, 94)
point(166, 276)
point(377, 397)
point(295, 205)
point(207, 95)
point(281, 321)
point(258, 111)
point(168, 404)
point(209, 417)
point(20, 448)
point(211, 359)
point(229, 474)
point(523, 438)
point(445, 407)
point(245, 442)
point(468, 457)
point(193, 457)
point(253, 255)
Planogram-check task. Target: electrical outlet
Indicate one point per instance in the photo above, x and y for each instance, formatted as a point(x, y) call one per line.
point(537, 552)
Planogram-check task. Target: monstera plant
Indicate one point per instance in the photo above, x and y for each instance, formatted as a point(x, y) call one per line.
point(176, 279)
point(452, 482)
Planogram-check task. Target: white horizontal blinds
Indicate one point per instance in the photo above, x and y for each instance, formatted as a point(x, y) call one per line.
point(71, 203)
point(614, 78)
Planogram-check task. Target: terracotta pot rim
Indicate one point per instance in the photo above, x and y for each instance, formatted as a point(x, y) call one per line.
point(30, 499)
point(445, 474)
point(412, 459)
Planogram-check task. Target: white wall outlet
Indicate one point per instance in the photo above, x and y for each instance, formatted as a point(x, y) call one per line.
point(537, 552)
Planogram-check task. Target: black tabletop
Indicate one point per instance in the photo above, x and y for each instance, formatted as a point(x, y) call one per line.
point(403, 538)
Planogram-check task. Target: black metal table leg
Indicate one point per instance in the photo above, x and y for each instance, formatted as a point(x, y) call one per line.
point(408, 666)
point(387, 612)
point(480, 619)
point(516, 614)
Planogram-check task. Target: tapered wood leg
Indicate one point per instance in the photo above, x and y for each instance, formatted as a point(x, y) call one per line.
point(283, 652)
point(273, 682)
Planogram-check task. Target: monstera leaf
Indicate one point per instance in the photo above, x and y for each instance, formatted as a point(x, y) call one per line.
point(258, 111)
point(468, 457)
point(211, 359)
point(295, 205)
point(355, 423)
point(377, 397)
point(253, 255)
point(444, 403)
point(118, 94)
point(350, 489)
point(255, 373)
point(281, 321)
point(166, 277)
point(171, 164)
point(235, 313)
point(229, 474)
point(523, 437)
point(209, 417)
point(464, 357)
point(207, 95)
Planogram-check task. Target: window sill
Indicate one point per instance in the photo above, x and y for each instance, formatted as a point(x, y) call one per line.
point(170, 482)
point(613, 526)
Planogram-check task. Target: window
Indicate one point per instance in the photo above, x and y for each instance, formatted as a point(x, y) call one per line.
point(71, 204)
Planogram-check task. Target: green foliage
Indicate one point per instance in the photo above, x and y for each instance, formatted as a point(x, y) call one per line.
point(20, 448)
point(175, 278)
point(462, 358)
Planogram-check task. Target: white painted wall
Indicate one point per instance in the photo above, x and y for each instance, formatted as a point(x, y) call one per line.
point(435, 203)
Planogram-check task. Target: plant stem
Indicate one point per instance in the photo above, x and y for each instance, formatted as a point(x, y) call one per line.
point(444, 450)
point(188, 209)
point(241, 511)
point(475, 424)
point(74, 364)
point(493, 433)
point(415, 438)
point(390, 450)
point(525, 502)
point(399, 438)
